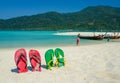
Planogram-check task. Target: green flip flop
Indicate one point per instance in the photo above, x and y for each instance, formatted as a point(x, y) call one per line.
point(60, 61)
point(49, 55)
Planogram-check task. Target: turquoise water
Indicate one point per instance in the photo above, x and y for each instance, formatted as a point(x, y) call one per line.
point(11, 39)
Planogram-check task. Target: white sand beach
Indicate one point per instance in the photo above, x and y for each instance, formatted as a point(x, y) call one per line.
point(88, 33)
point(99, 63)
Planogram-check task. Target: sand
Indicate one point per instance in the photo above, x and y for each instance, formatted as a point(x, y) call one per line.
point(88, 33)
point(99, 63)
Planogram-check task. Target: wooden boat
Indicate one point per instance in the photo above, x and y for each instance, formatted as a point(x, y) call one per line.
point(115, 36)
point(92, 37)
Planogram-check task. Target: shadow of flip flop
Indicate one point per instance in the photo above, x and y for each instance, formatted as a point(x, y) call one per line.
point(14, 70)
point(43, 66)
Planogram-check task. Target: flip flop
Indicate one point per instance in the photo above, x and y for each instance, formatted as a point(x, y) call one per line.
point(35, 60)
point(49, 59)
point(60, 61)
point(21, 60)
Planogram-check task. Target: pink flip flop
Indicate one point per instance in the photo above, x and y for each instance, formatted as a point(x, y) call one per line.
point(35, 60)
point(21, 60)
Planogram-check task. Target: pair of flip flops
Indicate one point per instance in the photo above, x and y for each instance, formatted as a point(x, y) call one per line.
point(51, 54)
point(21, 60)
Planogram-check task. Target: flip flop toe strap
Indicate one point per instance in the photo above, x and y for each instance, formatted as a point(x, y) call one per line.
point(23, 58)
point(37, 59)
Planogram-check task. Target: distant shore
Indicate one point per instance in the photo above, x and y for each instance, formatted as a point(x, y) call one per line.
point(86, 33)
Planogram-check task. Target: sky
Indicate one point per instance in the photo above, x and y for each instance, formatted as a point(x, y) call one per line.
point(17, 8)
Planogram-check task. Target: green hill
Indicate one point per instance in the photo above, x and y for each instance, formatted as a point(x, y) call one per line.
point(90, 18)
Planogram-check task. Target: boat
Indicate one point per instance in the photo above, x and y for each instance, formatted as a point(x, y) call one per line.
point(115, 36)
point(92, 37)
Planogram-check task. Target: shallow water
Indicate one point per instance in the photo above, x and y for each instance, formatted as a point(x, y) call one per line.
point(11, 39)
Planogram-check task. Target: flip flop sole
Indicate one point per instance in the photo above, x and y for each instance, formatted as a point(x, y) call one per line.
point(49, 54)
point(35, 60)
point(21, 60)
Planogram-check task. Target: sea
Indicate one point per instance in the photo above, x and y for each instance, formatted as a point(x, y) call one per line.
point(21, 39)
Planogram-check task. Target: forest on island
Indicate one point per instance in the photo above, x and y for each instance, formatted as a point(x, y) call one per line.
point(90, 18)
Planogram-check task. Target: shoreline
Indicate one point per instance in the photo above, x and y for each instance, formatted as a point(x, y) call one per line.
point(52, 46)
point(44, 39)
